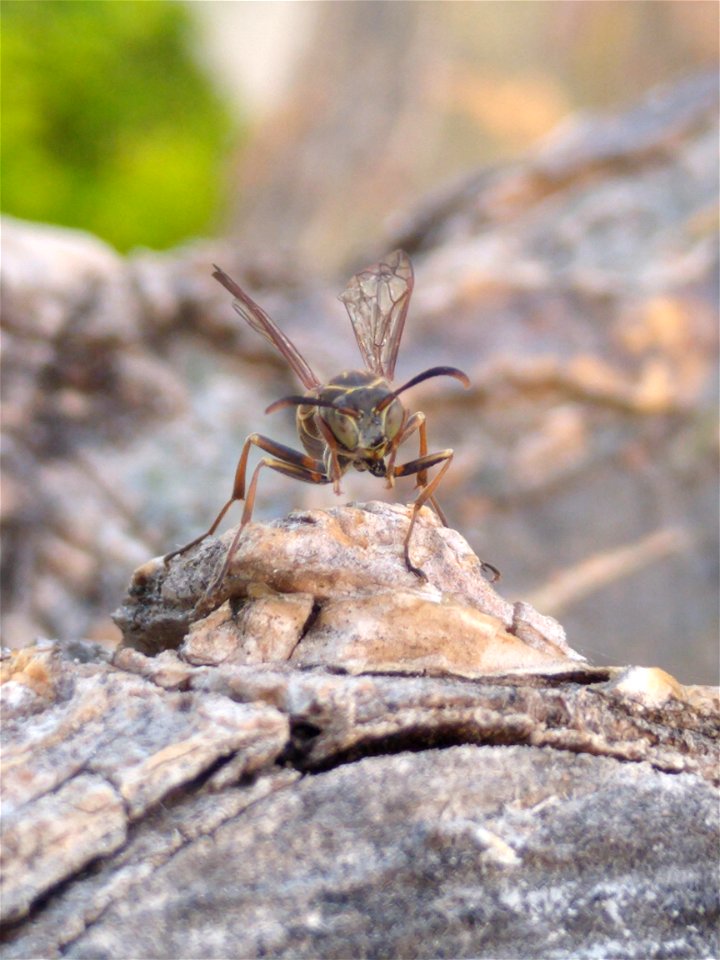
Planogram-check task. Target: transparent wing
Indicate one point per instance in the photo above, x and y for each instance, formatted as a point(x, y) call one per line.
point(256, 317)
point(377, 300)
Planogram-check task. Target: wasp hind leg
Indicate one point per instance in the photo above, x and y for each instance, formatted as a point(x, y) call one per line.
point(307, 470)
point(285, 460)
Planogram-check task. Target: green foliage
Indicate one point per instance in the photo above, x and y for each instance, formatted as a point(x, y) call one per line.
point(107, 122)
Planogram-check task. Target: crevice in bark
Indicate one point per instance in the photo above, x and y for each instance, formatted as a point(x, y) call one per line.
point(415, 740)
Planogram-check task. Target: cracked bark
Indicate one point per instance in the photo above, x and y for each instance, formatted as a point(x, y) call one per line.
point(195, 800)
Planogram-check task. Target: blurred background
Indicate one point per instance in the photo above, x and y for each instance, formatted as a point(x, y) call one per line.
point(148, 123)
point(550, 166)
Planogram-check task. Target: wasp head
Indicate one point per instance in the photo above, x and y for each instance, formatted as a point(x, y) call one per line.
point(363, 424)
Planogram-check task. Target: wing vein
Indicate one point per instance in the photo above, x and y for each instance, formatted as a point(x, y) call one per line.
point(377, 301)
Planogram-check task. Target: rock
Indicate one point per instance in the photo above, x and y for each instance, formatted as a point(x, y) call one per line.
point(435, 814)
point(413, 630)
point(264, 629)
point(331, 588)
point(62, 832)
point(450, 853)
point(108, 747)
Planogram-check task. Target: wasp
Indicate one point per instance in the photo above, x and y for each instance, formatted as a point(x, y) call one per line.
point(356, 419)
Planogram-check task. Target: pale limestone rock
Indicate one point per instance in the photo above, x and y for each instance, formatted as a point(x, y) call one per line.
point(356, 549)
point(263, 630)
point(541, 632)
point(414, 630)
point(654, 687)
point(330, 587)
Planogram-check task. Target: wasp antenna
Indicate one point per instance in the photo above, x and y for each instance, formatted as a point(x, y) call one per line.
point(298, 401)
point(285, 402)
point(426, 375)
point(230, 285)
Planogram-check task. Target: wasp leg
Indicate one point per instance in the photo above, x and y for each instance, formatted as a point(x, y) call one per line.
point(336, 470)
point(491, 573)
point(408, 427)
point(420, 466)
point(286, 454)
point(441, 513)
point(301, 467)
point(415, 422)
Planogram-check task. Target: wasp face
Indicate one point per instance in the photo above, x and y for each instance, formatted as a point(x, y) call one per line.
point(363, 427)
point(368, 433)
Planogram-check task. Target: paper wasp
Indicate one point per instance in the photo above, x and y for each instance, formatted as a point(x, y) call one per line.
point(356, 419)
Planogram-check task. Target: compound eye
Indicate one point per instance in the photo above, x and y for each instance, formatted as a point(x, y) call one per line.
point(343, 428)
point(393, 419)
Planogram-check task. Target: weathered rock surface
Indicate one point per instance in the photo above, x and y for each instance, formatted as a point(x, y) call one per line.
point(153, 808)
point(330, 588)
point(328, 757)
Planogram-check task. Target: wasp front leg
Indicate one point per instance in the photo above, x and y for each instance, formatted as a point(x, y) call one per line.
point(426, 495)
point(332, 462)
point(286, 460)
point(420, 466)
point(408, 427)
point(417, 422)
point(301, 467)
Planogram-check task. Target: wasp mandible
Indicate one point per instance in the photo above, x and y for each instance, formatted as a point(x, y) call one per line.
point(356, 419)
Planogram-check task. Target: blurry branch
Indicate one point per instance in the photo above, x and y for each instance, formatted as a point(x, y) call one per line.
point(571, 585)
